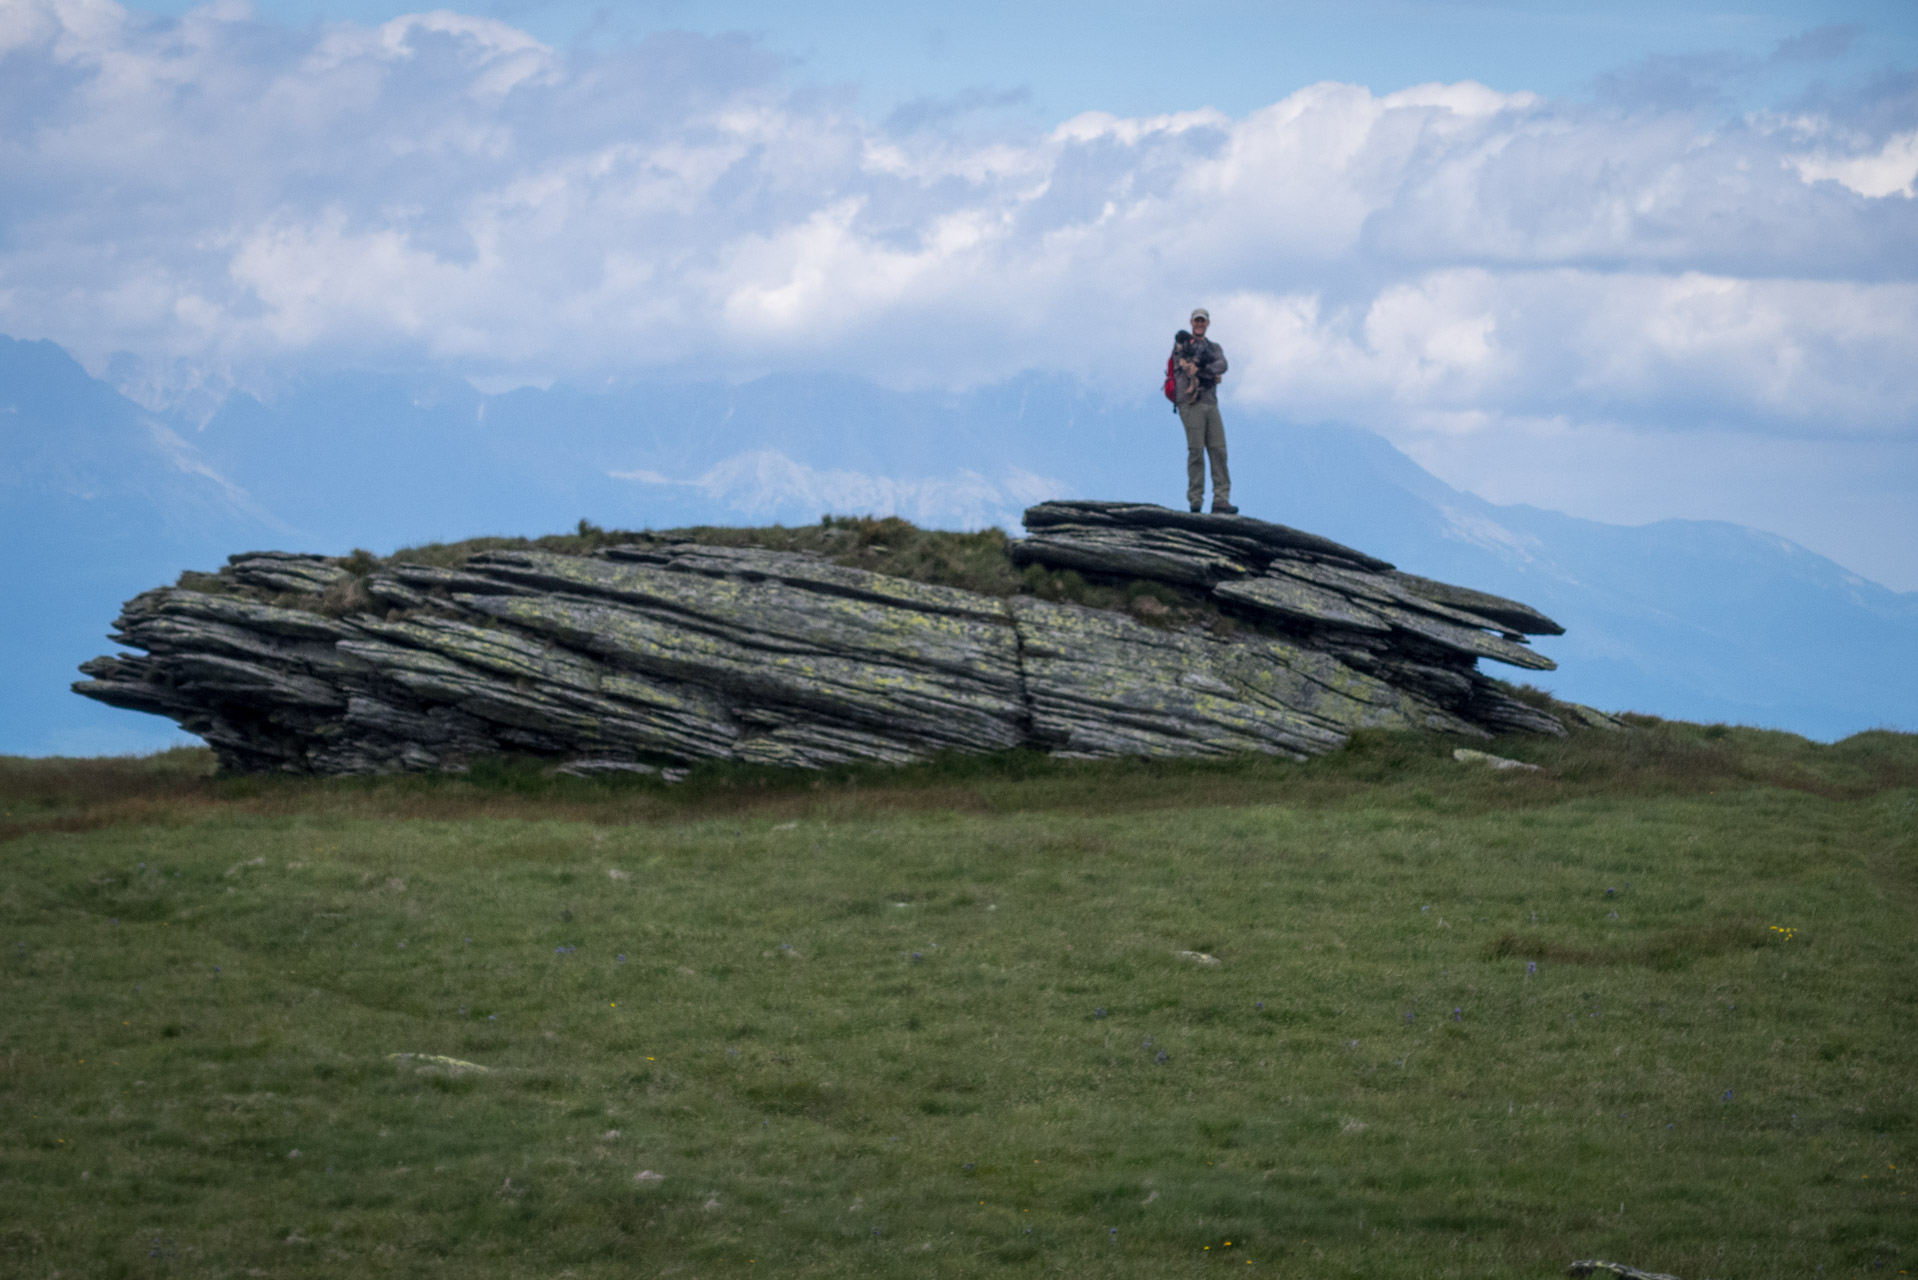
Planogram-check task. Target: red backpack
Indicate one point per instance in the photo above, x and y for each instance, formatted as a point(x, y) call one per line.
point(1171, 382)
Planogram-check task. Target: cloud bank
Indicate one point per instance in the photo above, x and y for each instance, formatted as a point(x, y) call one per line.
point(229, 199)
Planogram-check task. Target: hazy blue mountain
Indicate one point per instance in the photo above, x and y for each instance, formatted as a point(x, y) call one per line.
point(102, 498)
point(98, 500)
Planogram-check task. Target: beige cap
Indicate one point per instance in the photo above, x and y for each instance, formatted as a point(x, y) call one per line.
point(1200, 313)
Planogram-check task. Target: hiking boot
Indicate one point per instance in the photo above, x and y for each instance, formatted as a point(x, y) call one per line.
point(1197, 507)
point(1224, 509)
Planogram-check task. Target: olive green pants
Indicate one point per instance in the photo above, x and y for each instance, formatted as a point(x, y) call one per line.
point(1204, 434)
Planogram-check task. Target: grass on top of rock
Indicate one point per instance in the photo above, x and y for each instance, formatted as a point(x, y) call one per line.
point(889, 545)
point(1376, 1014)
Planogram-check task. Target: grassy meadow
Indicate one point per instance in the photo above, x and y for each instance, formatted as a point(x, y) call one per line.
point(1377, 1015)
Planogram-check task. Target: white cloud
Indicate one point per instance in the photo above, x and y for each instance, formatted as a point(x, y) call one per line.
point(1469, 347)
point(1889, 171)
point(1443, 259)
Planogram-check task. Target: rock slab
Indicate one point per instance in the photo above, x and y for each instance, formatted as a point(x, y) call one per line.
point(662, 653)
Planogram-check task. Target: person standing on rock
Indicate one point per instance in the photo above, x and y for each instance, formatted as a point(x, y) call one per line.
point(1198, 364)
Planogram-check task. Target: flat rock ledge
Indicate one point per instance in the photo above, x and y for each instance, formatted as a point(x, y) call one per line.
point(661, 653)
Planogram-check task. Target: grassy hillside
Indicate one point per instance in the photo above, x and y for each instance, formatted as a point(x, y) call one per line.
point(1654, 1002)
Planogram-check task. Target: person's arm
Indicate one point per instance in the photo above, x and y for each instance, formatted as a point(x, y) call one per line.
point(1210, 366)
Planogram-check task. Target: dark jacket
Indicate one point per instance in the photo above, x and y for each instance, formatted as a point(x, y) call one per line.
point(1209, 356)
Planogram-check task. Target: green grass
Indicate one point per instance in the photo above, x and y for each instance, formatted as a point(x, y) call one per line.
point(857, 1028)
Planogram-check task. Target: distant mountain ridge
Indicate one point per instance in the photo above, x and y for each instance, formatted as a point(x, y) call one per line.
point(102, 498)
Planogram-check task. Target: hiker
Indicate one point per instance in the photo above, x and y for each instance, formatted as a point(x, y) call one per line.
point(1194, 371)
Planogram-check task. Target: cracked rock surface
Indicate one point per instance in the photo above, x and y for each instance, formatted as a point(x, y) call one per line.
point(660, 652)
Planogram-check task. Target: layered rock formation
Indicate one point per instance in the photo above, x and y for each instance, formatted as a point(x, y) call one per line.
point(660, 652)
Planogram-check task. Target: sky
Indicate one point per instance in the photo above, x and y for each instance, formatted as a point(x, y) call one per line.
point(1629, 261)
